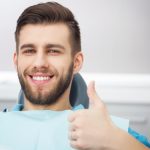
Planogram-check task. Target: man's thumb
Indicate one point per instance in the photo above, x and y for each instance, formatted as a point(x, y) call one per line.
point(93, 97)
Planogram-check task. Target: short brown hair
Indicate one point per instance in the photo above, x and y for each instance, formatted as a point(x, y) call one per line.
point(50, 12)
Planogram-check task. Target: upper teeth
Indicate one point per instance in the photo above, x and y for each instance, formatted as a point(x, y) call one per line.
point(40, 78)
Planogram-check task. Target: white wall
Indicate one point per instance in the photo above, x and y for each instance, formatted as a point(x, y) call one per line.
point(115, 33)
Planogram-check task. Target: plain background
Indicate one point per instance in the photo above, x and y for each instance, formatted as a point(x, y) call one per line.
point(115, 33)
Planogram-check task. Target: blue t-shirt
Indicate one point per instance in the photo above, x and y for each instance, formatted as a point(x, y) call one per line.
point(139, 137)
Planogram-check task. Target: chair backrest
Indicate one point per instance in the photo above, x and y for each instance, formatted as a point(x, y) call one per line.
point(78, 94)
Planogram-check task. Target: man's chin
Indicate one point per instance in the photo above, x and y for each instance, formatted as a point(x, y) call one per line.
point(38, 100)
point(38, 89)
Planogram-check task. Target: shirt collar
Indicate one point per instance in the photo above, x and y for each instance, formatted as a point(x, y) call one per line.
point(19, 107)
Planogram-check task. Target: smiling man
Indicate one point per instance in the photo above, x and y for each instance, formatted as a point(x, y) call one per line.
point(48, 55)
point(46, 65)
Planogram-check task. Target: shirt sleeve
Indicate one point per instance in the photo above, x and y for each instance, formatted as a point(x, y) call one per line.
point(139, 137)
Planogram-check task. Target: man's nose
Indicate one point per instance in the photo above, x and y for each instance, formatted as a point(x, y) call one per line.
point(40, 61)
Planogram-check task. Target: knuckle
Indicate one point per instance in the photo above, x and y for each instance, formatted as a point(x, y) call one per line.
point(79, 123)
point(80, 134)
point(79, 145)
point(82, 112)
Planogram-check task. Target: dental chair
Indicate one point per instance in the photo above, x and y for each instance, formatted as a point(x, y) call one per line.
point(78, 94)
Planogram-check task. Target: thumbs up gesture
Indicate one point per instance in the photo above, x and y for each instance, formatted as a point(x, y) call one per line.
point(88, 127)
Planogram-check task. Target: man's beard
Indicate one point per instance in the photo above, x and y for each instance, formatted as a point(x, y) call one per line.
point(54, 94)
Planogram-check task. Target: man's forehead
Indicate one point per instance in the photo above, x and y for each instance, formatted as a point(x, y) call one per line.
point(45, 33)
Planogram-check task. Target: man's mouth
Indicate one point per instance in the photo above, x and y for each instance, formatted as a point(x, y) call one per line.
point(40, 79)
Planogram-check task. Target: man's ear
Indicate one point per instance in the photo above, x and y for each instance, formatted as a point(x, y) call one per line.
point(78, 61)
point(15, 59)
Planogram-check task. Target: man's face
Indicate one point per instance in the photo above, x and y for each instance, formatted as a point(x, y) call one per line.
point(44, 62)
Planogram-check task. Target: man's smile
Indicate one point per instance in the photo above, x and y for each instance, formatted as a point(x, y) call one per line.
point(40, 78)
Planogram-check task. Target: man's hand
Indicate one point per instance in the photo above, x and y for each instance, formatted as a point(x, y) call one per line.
point(91, 128)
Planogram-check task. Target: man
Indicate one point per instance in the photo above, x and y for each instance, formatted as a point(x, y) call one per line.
point(48, 54)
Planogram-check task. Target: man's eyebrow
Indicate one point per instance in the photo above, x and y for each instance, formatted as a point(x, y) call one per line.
point(27, 46)
point(54, 45)
point(47, 46)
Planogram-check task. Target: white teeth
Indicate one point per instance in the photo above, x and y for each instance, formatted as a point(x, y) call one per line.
point(39, 78)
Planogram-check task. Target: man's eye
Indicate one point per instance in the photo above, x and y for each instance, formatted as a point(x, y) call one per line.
point(53, 51)
point(29, 51)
